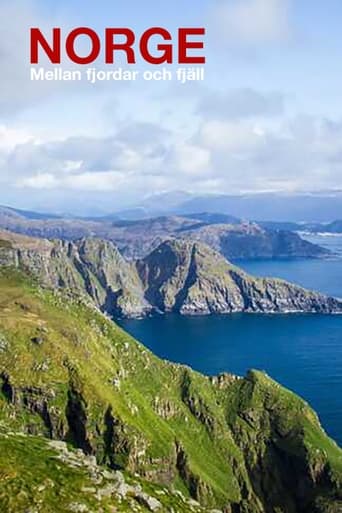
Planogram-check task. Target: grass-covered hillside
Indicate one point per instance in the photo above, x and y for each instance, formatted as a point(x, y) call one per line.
point(67, 373)
point(38, 475)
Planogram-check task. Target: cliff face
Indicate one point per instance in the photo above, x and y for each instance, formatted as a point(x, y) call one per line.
point(178, 276)
point(190, 278)
point(230, 444)
point(89, 267)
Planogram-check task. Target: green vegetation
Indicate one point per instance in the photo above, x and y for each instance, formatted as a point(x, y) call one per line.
point(69, 373)
point(36, 475)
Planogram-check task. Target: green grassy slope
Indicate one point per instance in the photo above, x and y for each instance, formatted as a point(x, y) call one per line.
point(68, 373)
point(42, 476)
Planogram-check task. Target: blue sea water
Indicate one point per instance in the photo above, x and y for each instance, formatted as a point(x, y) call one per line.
point(303, 352)
point(322, 275)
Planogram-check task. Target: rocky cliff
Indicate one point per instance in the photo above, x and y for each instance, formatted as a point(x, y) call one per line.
point(89, 267)
point(151, 436)
point(190, 278)
point(178, 276)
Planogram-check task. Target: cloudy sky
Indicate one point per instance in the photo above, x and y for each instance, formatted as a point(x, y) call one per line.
point(268, 116)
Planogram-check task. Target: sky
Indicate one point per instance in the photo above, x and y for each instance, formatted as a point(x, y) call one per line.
point(267, 117)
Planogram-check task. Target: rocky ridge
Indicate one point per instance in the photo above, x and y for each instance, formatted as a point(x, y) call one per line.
point(89, 267)
point(180, 276)
point(190, 278)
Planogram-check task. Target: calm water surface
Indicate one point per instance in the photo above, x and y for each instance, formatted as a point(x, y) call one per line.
point(303, 352)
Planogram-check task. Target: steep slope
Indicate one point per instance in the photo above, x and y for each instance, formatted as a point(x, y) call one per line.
point(190, 278)
point(242, 445)
point(88, 267)
point(47, 476)
point(179, 275)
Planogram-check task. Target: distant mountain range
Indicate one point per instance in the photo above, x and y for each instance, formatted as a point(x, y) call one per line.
point(14, 213)
point(308, 207)
point(333, 227)
point(234, 238)
point(320, 207)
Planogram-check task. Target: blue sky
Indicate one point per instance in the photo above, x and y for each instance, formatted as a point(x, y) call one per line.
point(268, 116)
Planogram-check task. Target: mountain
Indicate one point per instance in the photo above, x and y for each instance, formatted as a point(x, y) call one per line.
point(156, 205)
point(251, 241)
point(149, 435)
point(41, 225)
point(333, 227)
point(321, 206)
point(178, 276)
point(88, 267)
point(318, 207)
point(214, 218)
point(15, 213)
point(135, 239)
point(165, 201)
point(190, 278)
point(282, 225)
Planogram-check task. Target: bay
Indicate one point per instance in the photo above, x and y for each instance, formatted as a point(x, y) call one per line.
point(303, 352)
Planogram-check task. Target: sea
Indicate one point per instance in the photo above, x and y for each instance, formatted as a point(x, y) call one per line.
point(302, 352)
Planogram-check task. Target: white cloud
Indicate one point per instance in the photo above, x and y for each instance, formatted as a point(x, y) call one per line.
point(71, 166)
point(39, 181)
point(11, 137)
point(217, 156)
point(190, 160)
point(230, 136)
point(252, 21)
